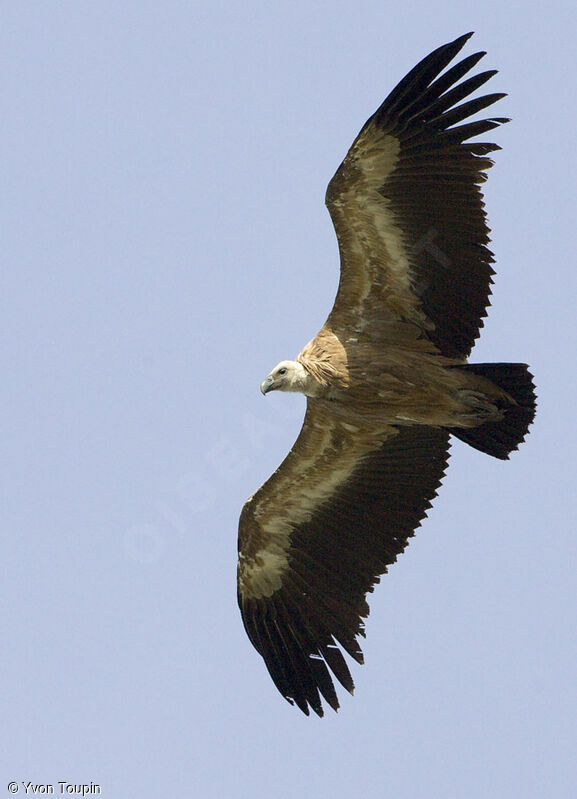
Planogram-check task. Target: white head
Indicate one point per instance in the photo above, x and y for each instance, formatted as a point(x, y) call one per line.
point(286, 376)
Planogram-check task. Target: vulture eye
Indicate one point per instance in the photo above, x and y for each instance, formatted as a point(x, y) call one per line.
point(282, 371)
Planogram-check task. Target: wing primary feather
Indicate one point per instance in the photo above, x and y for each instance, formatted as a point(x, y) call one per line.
point(320, 641)
point(423, 73)
point(469, 108)
point(284, 675)
point(344, 624)
point(457, 93)
point(311, 653)
point(455, 73)
point(257, 629)
point(432, 103)
point(463, 132)
point(334, 657)
point(305, 679)
point(482, 148)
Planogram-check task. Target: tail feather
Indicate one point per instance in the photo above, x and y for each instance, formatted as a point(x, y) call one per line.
point(502, 437)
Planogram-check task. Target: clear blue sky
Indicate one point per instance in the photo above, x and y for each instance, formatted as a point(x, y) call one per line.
point(164, 244)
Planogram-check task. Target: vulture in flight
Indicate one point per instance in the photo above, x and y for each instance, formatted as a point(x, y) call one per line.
point(386, 379)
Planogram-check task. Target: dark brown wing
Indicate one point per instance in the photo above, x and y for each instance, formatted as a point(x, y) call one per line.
point(408, 211)
point(315, 538)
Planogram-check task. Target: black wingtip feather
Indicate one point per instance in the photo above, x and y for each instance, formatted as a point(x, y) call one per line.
point(423, 73)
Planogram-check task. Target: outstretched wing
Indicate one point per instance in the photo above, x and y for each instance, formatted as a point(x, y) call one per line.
point(317, 535)
point(408, 210)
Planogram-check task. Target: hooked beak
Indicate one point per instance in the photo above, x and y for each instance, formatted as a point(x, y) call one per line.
point(267, 385)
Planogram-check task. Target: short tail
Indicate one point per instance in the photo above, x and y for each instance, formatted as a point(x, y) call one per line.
point(501, 438)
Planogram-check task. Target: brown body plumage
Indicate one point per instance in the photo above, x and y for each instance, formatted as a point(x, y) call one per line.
point(386, 379)
point(405, 382)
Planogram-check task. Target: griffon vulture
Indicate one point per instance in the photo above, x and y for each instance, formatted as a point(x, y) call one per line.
point(386, 379)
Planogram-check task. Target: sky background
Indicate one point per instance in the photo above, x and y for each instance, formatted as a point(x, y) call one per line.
point(164, 244)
